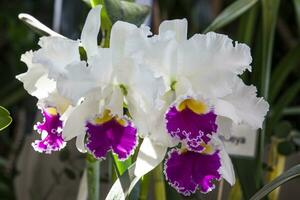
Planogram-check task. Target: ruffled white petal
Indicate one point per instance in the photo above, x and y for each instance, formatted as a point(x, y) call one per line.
point(149, 156)
point(177, 27)
point(75, 124)
point(35, 80)
point(89, 35)
point(248, 107)
point(56, 53)
point(211, 62)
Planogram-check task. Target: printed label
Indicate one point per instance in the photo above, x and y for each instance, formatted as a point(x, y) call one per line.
point(241, 143)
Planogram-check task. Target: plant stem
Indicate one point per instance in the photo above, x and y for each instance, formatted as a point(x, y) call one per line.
point(159, 183)
point(93, 177)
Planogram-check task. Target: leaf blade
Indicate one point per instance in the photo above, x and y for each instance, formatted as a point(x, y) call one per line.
point(286, 176)
point(230, 13)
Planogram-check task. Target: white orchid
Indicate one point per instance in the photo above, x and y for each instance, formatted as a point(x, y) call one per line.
point(206, 98)
point(47, 68)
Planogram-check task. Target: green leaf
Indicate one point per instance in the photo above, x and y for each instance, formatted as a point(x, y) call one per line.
point(291, 111)
point(145, 187)
point(283, 102)
point(247, 25)
point(126, 11)
point(290, 61)
point(123, 185)
point(5, 118)
point(122, 165)
point(286, 148)
point(297, 11)
point(245, 168)
point(286, 176)
point(230, 13)
point(282, 129)
point(269, 19)
point(70, 173)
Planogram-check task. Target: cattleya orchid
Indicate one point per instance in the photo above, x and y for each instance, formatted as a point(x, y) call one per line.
point(180, 96)
point(208, 100)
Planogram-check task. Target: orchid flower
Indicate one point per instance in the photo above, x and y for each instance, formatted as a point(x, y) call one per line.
point(99, 122)
point(47, 68)
point(206, 99)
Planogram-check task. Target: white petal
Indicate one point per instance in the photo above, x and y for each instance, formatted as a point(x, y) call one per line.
point(35, 79)
point(80, 139)
point(55, 100)
point(89, 35)
point(115, 104)
point(147, 106)
point(149, 156)
point(178, 26)
point(249, 108)
point(226, 170)
point(225, 109)
point(75, 125)
point(211, 62)
point(101, 67)
point(56, 53)
point(120, 32)
point(76, 82)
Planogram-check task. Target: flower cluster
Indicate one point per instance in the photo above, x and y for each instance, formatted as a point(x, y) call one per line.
point(178, 94)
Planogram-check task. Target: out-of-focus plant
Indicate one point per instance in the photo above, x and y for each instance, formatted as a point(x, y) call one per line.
point(5, 118)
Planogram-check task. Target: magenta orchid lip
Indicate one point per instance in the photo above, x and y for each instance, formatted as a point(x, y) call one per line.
point(188, 171)
point(121, 139)
point(50, 129)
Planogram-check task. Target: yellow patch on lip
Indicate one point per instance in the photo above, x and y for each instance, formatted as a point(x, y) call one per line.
point(208, 149)
point(197, 107)
point(104, 118)
point(107, 116)
point(51, 111)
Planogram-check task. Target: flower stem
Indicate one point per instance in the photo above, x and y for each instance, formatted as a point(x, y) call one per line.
point(93, 176)
point(159, 183)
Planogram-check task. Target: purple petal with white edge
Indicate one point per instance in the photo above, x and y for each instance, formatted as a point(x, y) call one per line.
point(191, 127)
point(50, 130)
point(111, 135)
point(187, 171)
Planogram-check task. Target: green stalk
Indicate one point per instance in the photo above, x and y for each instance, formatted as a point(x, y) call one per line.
point(93, 174)
point(269, 18)
point(159, 183)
